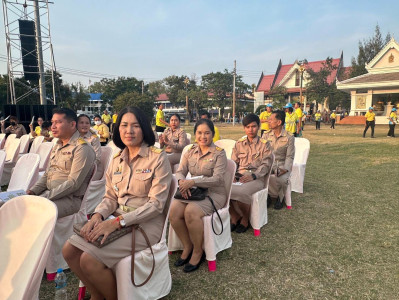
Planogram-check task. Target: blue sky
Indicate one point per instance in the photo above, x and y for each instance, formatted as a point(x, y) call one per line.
point(154, 39)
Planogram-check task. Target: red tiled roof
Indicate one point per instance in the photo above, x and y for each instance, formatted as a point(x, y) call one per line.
point(266, 83)
point(162, 97)
point(283, 71)
point(317, 65)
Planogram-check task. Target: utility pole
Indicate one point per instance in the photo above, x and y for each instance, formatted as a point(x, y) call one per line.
point(186, 82)
point(142, 87)
point(234, 93)
point(42, 80)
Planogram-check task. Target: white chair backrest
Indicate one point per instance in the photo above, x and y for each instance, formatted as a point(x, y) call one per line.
point(172, 192)
point(227, 145)
point(54, 140)
point(2, 140)
point(2, 161)
point(44, 153)
point(228, 179)
point(115, 149)
point(9, 140)
point(23, 148)
point(36, 144)
point(26, 170)
point(106, 156)
point(188, 138)
point(302, 147)
point(23, 259)
point(158, 145)
point(12, 150)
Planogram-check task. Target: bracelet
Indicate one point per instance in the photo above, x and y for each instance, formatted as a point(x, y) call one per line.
point(253, 176)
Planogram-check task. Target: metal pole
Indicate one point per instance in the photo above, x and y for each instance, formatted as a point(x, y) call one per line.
point(9, 56)
point(42, 81)
point(51, 54)
point(186, 81)
point(234, 93)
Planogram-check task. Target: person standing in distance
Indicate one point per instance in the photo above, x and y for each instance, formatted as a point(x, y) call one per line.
point(370, 121)
point(333, 117)
point(264, 116)
point(300, 115)
point(393, 119)
point(160, 123)
point(317, 118)
point(106, 118)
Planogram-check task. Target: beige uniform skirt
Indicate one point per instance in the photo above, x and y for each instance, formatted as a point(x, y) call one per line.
point(243, 193)
point(174, 158)
point(122, 247)
point(218, 199)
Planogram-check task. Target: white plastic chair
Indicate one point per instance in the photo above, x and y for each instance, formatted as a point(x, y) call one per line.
point(12, 152)
point(23, 148)
point(2, 161)
point(158, 145)
point(115, 149)
point(188, 138)
point(54, 140)
point(258, 217)
point(297, 177)
point(96, 190)
point(176, 166)
point(9, 140)
point(37, 141)
point(213, 243)
point(161, 281)
point(25, 173)
point(44, 153)
point(27, 226)
point(2, 140)
point(63, 230)
point(227, 145)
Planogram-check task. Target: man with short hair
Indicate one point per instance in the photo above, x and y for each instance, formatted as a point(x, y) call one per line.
point(207, 115)
point(106, 117)
point(160, 123)
point(282, 144)
point(71, 165)
point(333, 117)
point(370, 121)
point(317, 118)
point(264, 116)
point(253, 158)
point(14, 128)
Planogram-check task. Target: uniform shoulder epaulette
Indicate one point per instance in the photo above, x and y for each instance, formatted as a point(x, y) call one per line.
point(242, 139)
point(118, 154)
point(219, 149)
point(156, 150)
point(263, 141)
point(81, 141)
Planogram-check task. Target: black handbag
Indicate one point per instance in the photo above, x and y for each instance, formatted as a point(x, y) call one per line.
point(198, 194)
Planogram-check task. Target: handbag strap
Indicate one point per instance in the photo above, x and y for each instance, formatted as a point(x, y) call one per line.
point(220, 219)
point(138, 227)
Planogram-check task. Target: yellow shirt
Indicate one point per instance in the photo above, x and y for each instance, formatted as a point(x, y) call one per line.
point(114, 117)
point(264, 116)
point(290, 122)
point(393, 117)
point(317, 116)
point(106, 118)
point(370, 116)
point(333, 116)
point(299, 113)
point(217, 135)
point(160, 116)
point(38, 130)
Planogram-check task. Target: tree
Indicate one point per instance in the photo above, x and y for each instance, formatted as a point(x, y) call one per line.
point(174, 84)
point(197, 99)
point(277, 93)
point(156, 88)
point(143, 101)
point(368, 49)
point(318, 88)
point(78, 98)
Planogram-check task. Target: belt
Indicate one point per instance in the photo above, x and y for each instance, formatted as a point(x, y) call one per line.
point(126, 208)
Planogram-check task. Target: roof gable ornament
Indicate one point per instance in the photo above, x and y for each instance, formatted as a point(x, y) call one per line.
point(372, 67)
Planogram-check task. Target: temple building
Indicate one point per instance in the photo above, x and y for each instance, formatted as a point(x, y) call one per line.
point(379, 87)
point(294, 78)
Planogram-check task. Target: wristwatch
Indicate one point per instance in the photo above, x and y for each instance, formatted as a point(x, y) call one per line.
point(253, 176)
point(122, 222)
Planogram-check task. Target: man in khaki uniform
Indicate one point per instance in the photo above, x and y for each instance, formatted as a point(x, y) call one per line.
point(14, 128)
point(252, 155)
point(174, 139)
point(71, 163)
point(282, 144)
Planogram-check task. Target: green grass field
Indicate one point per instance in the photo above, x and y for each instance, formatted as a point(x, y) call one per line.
point(340, 240)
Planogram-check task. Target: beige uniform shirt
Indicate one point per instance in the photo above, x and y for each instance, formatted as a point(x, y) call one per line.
point(68, 173)
point(283, 148)
point(18, 129)
point(92, 138)
point(143, 184)
point(252, 157)
point(177, 140)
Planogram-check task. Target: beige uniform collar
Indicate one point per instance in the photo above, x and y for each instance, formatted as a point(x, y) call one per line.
point(143, 152)
point(71, 141)
point(254, 141)
point(282, 133)
point(212, 149)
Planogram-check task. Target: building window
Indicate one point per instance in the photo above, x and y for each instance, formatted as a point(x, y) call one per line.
point(297, 78)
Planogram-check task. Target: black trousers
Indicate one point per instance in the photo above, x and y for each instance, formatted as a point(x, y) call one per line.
point(332, 124)
point(391, 131)
point(318, 125)
point(159, 129)
point(369, 124)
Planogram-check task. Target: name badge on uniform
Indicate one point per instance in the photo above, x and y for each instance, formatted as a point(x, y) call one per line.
point(256, 155)
point(118, 171)
point(143, 171)
point(66, 153)
point(208, 159)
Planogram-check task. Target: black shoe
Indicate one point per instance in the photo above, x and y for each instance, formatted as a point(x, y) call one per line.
point(233, 226)
point(269, 201)
point(373, 137)
point(191, 268)
point(180, 261)
point(279, 204)
point(241, 228)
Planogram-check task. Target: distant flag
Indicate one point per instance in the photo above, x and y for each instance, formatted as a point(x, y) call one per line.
point(89, 81)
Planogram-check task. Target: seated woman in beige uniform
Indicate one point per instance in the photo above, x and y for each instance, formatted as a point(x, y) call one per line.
point(207, 166)
point(91, 137)
point(174, 139)
point(137, 187)
point(253, 157)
